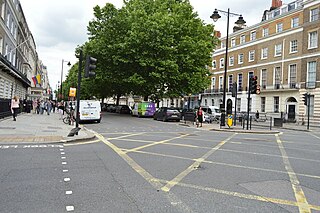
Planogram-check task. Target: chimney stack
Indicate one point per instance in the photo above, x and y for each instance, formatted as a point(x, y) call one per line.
point(276, 3)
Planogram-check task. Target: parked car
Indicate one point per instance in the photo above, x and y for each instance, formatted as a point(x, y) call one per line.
point(167, 114)
point(214, 111)
point(123, 109)
point(111, 108)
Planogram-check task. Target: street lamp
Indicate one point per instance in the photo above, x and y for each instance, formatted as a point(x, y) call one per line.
point(68, 63)
point(240, 22)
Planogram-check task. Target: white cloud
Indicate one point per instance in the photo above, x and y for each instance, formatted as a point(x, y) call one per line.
point(59, 26)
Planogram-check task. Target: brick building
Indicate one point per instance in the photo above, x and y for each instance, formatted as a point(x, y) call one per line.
point(283, 52)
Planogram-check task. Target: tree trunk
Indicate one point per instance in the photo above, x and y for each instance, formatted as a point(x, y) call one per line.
point(145, 98)
point(118, 99)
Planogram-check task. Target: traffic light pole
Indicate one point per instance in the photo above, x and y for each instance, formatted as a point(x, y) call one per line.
point(78, 89)
point(248, 106)
point(308, 97)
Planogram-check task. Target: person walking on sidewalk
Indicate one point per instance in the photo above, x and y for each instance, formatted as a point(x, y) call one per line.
point(15, 106)
point(200, 116)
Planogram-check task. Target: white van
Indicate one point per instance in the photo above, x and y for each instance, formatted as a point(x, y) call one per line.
point(90, 110)
point(213, 111)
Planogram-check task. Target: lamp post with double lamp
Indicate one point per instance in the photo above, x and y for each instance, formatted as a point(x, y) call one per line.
point(240, 22)
point(68, 63)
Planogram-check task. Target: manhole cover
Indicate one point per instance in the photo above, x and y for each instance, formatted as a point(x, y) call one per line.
point(6, 127)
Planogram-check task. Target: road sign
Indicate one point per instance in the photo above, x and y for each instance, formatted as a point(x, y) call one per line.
point(230, 120)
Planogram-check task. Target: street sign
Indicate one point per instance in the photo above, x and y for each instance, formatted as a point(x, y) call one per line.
point(230, 120)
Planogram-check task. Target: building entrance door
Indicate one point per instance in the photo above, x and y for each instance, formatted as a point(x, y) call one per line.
point(292, 113)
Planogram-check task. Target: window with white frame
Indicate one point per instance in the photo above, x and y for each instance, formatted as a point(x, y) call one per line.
point(2, 10)
point(279, 27)
point(276, 104)
point(240, 58)
point(265, 32)
point(238, 104)
point(264, 78)
point(220, 83)
point(313, 39)
point(8, 19)
point(295, 22)
point(311, 74)
point(263, 104)
point(213, 83)
point(6, 51)
point(292, 75)
point(253, 35)
point(240, 82)
point(1, 45)
point(251, 55)
point(221, 62)
point(214, 64)
point(277, 77)
point(222, 45)
point(230, 82)
point(231, 60)
point(277, 50)
point(314, 14)
point(13, 59)
point(233, 42)
point(212, 102)
point(292, 6)
point(264, 53)
point(276, 12)
point(293, 46)
point(242, 39)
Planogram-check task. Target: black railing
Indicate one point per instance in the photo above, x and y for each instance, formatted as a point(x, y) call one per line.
point(277, 86)
point(292, 85)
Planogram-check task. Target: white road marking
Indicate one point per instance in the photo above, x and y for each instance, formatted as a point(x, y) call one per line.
point(64, 163)
point(61, 149)
point(62, 153)
point(65, 170)
point(63, 157)
point(66, 179)
point(29, 146)
point(68, 192)
point(70, 208)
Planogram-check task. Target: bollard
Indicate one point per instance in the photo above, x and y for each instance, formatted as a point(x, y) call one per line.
point(270, 123)
point(250, 122)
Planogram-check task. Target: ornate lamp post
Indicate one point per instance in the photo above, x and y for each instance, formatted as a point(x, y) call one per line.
point(240, 22)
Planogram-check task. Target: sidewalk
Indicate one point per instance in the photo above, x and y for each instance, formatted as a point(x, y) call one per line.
point(256, 128)
point(38, 128)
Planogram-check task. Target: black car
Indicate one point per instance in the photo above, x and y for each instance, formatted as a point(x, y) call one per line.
point(123, 109)
point(111, 108)
point(167, 114)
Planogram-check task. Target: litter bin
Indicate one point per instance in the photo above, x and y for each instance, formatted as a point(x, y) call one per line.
point(278, 122)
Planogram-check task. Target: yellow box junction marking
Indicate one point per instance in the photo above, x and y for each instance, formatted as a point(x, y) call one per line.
point(298, 192)
point(196, 164)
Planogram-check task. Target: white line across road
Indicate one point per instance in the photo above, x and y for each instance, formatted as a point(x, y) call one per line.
point(30, 146)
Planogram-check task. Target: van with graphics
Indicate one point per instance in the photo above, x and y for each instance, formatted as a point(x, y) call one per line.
point(143, 109)
point(90, 110)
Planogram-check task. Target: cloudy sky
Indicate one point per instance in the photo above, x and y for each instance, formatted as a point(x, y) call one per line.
point(59, 26)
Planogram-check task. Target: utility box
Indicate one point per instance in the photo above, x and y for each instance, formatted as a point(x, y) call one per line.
point(278, 122)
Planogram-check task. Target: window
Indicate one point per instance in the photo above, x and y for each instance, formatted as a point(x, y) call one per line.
point(277, 77)
point(212, 102)
point(292, 75)
point(264, 53)
point(8, 20)
point(240, 58)
point(230, 82)
point(250, 75)
point(253, 35)
point(240, 82)
point(238, 104)
point(6, 51)
point(278, 50)
point(213, 83)
point(251, 55)
point(293, 46)
point(231, 60)
point(13, 59)
point(214, 64)
point(291, 6)
point(233, 42)
point(313, 40)
point(220, 83)
point(276, 103)
point(264, 78)
point(265, 32)
point(1, 45)
point(311, 74)
point(279, 27)
point(2, 10)
point(222, 45)
point(263, 104)
point(295, 22)
point(311, 105)
point(276, 13)
point(221, 62)
point(314, 14)
point(242, 39)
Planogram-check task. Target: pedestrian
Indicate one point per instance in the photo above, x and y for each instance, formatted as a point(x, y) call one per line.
point(61, 109)
point(48, 107)
point(15, 105)
point(200, 116)
point(54, 104)
point(42, 107)
point(257, 115)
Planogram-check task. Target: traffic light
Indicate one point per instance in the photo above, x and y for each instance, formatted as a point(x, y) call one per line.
point(305, 99)
point(90, 65)
point(253, 85)
point(258, 90)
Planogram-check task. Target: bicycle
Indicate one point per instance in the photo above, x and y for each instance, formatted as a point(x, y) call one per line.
point(69, 119)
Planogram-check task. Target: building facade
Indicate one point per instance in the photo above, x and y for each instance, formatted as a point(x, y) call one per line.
point(283, 52)
point(19, 61)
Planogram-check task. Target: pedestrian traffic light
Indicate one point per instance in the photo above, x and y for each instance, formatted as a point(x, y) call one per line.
point(305, 99)
point(258, 90)
point(90, 65)
point(253, 85)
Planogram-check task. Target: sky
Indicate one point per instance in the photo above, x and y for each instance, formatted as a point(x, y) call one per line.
point(59, 26)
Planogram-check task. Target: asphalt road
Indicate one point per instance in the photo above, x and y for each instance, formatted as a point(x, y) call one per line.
point(142, 165)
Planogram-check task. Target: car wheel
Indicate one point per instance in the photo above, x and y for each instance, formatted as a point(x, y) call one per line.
point(98, 121)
